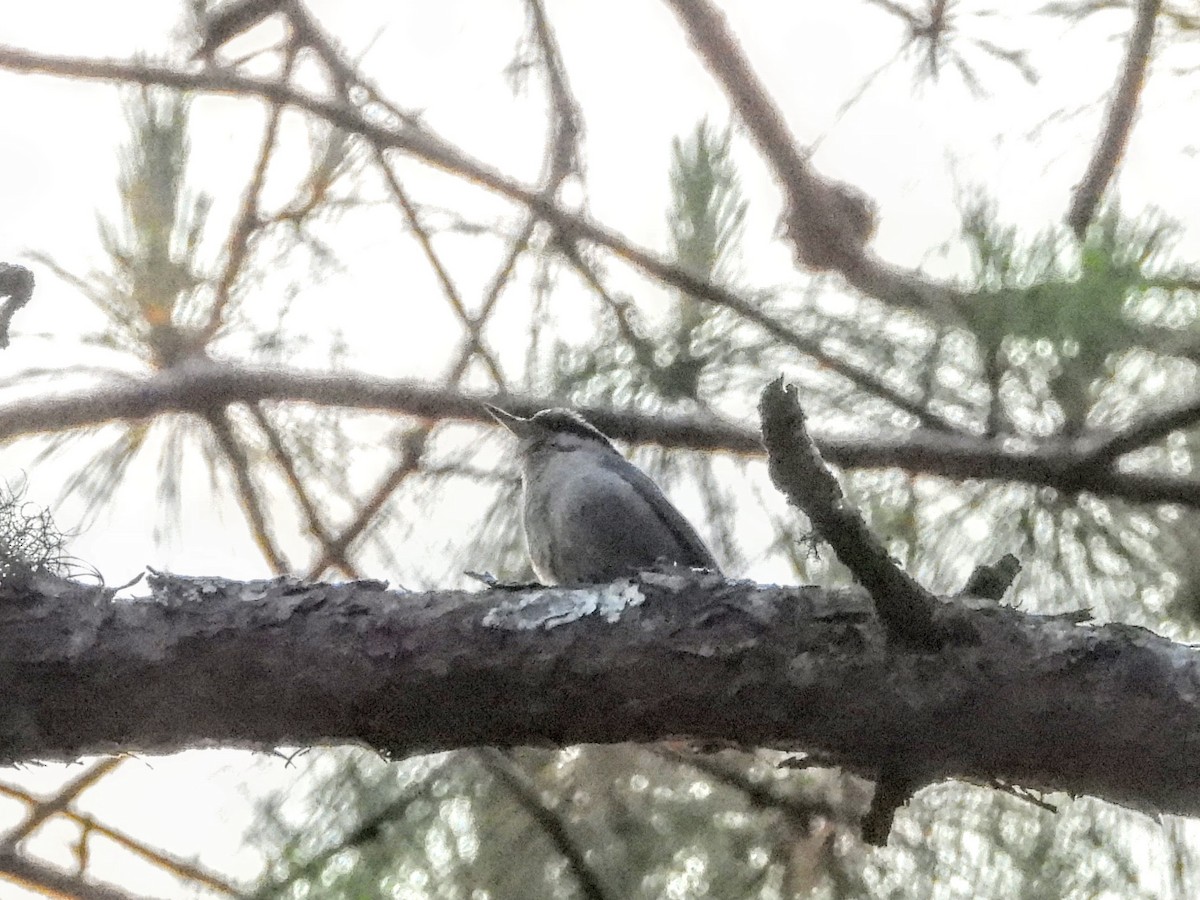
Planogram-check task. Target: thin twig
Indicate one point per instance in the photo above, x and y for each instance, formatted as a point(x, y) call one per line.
point(1144, 433)
point(560, 159)
point(52, 882)
point(316, 527)
point(499, 281)
point(178, 867)
point(800, 811)
point(879, 280)
point(566, 120)
point(221, 427)
point(859, 378)
point(414, 441)
point(1024, 794)
point(644, 350)
point(346, 78)
point(449, 289)
point(502, 768)
point(247, 225)
point(1119, 123)
point(248, 220)
point(51, 806)
point(413, 446)
point(367, 830)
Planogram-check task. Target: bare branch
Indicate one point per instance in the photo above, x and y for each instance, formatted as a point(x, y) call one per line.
point(1065, 467)
point(505, 771)
point(412, 447)
point(1149, 430)
point(829, 223)
point(51, 806)
point(1115, 136)
point(369, 829)
point(198, 385)
point(876, 279)
point(54, 882)
point(1047, 703)
point(16, 283)
point(800, 811)
point(222, 430)
point(449, 289)
point(178, 867)
point(316, 527)
point(231, 19)
point(906, 608)
point(248, 222)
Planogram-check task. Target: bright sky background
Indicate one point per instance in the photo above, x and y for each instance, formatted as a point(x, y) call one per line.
point(911, 148)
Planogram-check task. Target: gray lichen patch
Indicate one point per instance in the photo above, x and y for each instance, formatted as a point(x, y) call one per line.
point(680, 578)
point(560, 606)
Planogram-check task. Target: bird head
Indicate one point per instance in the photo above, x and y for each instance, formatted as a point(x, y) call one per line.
point(553, 429)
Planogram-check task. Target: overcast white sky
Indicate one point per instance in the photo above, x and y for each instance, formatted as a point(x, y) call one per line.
point(639, 86)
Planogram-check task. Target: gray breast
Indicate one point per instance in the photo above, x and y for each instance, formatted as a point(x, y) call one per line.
point(598, 518)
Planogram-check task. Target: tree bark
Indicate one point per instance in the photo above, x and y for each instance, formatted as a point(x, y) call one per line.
point(1112, 711)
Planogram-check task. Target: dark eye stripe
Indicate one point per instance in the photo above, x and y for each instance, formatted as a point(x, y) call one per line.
point(564, 421)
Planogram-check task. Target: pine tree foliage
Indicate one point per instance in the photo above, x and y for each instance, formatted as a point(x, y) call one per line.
point(1056, 339)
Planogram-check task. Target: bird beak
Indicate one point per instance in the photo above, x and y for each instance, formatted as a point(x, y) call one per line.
point(518, 426)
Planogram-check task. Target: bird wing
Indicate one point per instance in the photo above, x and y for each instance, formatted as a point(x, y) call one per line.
point(698, 554)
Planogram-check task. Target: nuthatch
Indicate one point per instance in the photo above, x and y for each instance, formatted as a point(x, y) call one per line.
point(590, 515)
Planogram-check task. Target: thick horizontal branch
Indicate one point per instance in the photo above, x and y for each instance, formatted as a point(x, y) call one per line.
point(1110, 711)
point(199, 386)
point(1067, 468)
